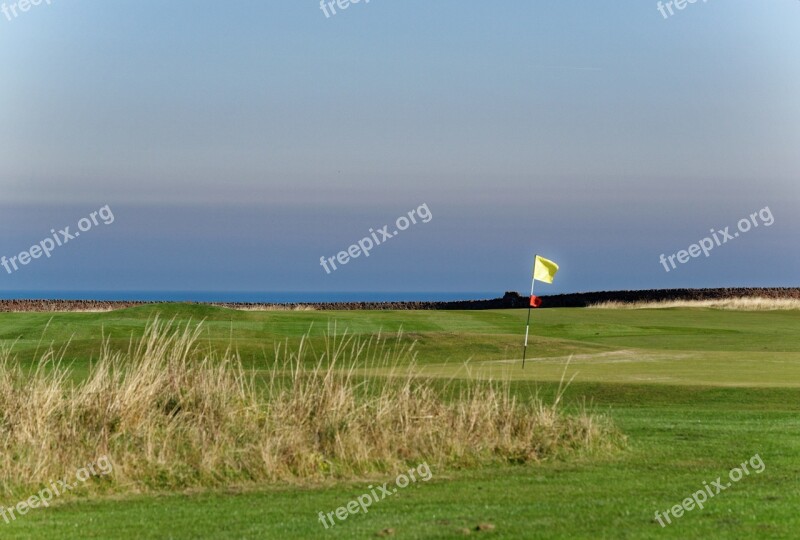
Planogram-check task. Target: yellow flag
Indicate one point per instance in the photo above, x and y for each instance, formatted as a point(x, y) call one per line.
point(544, 270)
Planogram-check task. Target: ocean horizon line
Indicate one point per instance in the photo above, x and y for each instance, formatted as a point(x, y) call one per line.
point(278, 297)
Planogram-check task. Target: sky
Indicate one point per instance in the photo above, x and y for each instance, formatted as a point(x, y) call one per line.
point(238, 143)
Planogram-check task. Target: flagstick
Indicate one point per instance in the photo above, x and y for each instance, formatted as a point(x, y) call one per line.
point(528, 324)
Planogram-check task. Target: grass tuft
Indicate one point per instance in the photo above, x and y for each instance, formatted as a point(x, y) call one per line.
point(171, 414)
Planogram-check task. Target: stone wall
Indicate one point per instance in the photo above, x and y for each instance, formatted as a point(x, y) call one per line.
point(509, 301)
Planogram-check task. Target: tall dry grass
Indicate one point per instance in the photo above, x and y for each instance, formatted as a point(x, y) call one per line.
point(270, 307)
point(741, 304)
point(171, 414)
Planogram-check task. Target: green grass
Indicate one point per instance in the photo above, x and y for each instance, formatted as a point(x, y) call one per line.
point(697, 391)
point(683, 346)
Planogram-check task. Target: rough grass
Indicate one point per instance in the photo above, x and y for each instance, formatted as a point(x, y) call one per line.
point(742, 304)
point(270, 307)
point(171, 415)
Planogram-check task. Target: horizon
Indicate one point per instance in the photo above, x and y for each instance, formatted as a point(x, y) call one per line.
point(312, 297)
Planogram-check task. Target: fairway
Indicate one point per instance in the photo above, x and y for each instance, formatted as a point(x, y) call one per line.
point(684, 346)
point(696, 392)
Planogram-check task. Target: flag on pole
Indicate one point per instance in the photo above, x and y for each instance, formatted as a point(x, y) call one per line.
point(544, 270)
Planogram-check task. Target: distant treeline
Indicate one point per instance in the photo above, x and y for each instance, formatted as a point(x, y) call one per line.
point(509, 300)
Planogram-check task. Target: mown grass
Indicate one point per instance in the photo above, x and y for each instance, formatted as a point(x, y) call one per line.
point(679, 434)
point(677, 439)
point(711, 337)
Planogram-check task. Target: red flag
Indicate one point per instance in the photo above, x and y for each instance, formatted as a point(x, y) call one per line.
point(536, 301)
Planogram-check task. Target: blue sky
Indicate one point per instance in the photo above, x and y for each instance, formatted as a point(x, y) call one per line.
point(238, 142)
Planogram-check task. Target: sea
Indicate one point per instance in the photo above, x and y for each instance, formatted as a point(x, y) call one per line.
point(249, 297)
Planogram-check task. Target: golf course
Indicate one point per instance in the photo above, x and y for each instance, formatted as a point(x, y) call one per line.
point(406, 270)
point(683, 396)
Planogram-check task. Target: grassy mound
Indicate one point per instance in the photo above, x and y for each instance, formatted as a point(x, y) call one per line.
point(170, 414)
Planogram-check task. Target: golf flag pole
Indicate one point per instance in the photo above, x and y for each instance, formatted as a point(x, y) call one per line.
point(528, 324)
point(543, 270)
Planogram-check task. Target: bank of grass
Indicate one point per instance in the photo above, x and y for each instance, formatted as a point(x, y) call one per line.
point(678, 438)
point(742, 304)
point(172, 414)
